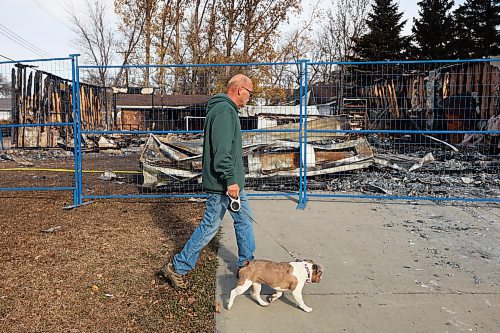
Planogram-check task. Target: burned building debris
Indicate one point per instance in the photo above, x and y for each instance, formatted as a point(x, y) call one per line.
point(453, 97)
point(39, 97)
point(333, 163)
point(266, 155)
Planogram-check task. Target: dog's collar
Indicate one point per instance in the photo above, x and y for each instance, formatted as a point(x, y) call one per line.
point(308, 270)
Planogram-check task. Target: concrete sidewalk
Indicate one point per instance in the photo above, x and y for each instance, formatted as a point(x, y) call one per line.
point(379, 276)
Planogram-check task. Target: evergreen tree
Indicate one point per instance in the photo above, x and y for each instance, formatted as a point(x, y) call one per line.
point(383, 41)
point(477, 32)
point(433, 31)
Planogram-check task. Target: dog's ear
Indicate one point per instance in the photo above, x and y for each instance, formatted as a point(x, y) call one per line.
point(317, 268)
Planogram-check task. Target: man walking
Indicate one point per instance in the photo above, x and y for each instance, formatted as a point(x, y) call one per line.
point(222, 175)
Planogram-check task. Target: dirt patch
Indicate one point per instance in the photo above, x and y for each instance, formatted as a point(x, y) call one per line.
point(94, 268)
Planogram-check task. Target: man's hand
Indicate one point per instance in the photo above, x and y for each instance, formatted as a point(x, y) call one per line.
point(233, 190)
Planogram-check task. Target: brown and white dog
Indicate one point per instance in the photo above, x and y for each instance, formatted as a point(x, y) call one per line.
point(279, 276)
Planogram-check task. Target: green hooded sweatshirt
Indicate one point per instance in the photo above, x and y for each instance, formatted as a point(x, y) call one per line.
point(222, 150)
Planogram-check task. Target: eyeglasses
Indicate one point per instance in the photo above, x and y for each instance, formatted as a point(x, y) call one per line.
point(250, 92)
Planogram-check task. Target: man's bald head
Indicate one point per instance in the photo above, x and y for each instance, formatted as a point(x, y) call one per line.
point(237, 81)
point(240, 89)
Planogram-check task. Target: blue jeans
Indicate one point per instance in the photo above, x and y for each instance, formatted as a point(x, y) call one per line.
point(215, 209)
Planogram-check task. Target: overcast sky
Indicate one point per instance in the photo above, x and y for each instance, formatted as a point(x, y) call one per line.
point(42, 28)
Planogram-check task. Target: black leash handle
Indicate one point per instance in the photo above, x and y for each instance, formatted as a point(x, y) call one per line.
point(234, 203)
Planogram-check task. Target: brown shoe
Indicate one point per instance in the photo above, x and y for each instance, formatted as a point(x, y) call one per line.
point(176, 279)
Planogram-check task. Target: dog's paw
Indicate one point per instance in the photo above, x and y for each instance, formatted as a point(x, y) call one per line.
point(264, 303)
point(228, 306)
point(307, 309)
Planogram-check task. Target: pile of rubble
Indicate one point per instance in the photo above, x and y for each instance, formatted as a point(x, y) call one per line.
point(335, 163)
point(25, 157)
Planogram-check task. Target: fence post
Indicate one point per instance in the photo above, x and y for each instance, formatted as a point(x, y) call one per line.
point(303, 134)
point(77, 139)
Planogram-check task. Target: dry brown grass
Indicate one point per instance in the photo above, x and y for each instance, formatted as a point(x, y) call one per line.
point(97, 273)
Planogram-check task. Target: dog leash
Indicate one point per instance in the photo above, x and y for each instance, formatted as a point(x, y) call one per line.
point(235, 205)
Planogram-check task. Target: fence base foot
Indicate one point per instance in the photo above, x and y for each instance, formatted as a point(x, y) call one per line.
point(302, 204)
point(76, 206)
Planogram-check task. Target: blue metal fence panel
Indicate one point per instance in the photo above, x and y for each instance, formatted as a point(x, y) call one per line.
point(35, 122)
point(150, 141)
point(410, 130)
